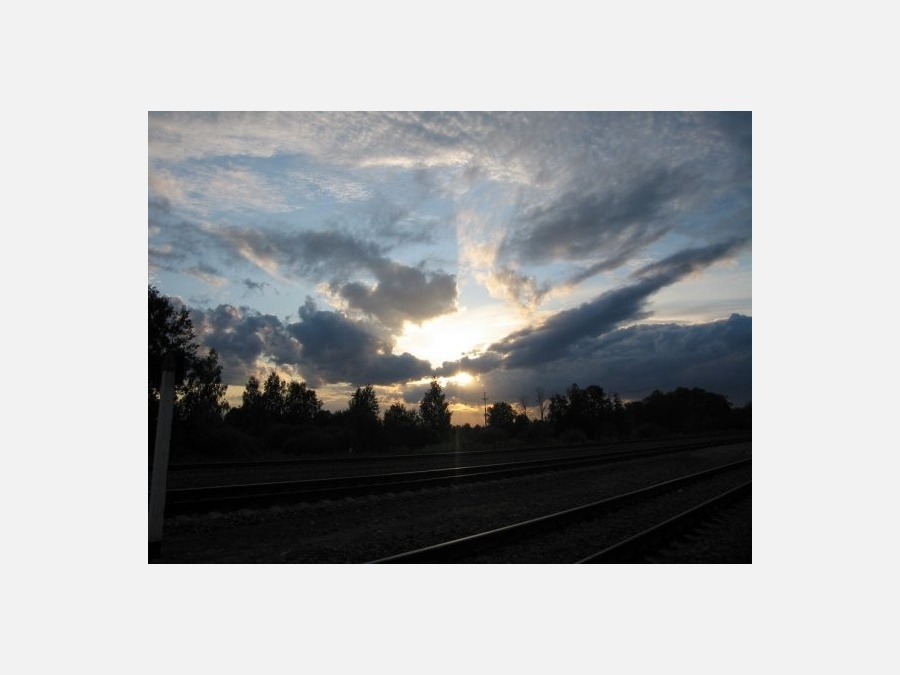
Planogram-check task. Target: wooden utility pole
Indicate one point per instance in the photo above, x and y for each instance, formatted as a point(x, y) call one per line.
point(161, 454)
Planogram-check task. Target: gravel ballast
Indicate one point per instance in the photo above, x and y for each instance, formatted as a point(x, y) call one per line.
point(364, 529)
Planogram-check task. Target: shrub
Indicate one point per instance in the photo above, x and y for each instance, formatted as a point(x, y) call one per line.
point(572, 436)
point(218, 442)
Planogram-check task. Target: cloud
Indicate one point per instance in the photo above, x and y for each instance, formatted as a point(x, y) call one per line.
point(688, 261)
point(524, 204)
point(322, 347)
point(207, 273)
point(572, 333)
point(342, 350)
point(474, 365)
point(242, 337)
point(259, 287)
point(505, 282)
point(401, 294)
point(387, 139)
point(565, 331)
point(608, 225)
point(633, 361)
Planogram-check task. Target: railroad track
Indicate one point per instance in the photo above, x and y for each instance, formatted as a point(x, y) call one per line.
point(351, 460)
point(653, 540)
point(471, 547)
point(232, 497)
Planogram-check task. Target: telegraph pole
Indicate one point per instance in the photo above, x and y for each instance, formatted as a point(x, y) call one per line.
point(484, 398)
point(161, 455)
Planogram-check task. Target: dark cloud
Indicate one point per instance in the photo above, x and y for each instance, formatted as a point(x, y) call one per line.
point(324, 347)
point(474, 365)
point(612, 223)
point(402, 293)
point(241, 336)
point(342, 350)
point(633, 361)
point(566, 331)
point(737, 127)
point(572, 333)
point(316, 253)
point(684, 262)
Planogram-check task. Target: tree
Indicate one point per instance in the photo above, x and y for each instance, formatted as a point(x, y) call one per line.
point(199, 390)
point(434, 409)
point(169, 330)
point(203, 400)
point(619, 415)
point(363, 415)
point(523, 404)
point(501, 415)
point(273, 395)
point(251, 397)
point(402, 426)
point(250, 415)
point(558, 412)
point(363, 405)
point(540, 398)
point(300, 404)
point(399, 416)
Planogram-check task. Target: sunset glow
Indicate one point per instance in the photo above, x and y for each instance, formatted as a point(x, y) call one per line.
point(496, 252)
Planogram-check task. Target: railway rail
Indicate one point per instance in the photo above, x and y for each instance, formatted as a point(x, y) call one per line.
point(640, 546)
point(625, 551)
point(238, 496)
point(355, 460)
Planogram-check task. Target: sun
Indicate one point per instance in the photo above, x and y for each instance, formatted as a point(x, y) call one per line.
point(462, 378)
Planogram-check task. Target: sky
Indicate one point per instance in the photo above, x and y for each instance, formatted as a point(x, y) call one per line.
point(498, 252)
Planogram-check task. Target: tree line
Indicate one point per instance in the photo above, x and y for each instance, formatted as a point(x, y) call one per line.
point(287, 418)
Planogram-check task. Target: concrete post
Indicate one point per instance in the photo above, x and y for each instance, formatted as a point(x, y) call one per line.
point(161, 454)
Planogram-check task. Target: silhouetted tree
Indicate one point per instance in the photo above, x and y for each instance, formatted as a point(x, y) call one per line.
point(363, 403)
point(683, 410)
point(501, 415)
point(203, 400)
point(251, 414)
point(273, 398)
point(620, 419)
point(402, 426)
point(169, 330)
point(434, 409)
point(541, 399)
point(363, 414)
point(558, 412)
point(523, 404)
point(199, 391)
point(300, 404)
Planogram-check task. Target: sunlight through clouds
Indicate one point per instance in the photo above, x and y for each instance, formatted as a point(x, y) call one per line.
point(501, 247)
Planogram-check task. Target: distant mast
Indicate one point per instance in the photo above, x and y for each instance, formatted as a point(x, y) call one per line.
point(484, 398)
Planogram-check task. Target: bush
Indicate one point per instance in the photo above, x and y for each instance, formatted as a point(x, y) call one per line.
point(572, 436)
point(216, 442)
point(308, 440)
point(537, 432)
point(493, 436)
point(650, 430)
point(274, 436)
